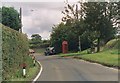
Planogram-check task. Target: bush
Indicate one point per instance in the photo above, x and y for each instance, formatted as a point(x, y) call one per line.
point(112, 44)
point(15, 52)
point(43, 45)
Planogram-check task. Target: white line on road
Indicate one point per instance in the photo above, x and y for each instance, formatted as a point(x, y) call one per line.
point(38, 73)
point(100, 65)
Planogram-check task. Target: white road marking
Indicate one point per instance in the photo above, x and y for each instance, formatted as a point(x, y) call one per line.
point(100, 65)
point(39, 74)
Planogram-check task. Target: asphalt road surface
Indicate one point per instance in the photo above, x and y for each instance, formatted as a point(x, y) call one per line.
point(56, 68)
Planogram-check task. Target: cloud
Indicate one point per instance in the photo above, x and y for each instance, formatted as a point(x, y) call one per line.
point(41, 19)
point(38, 17)
point(37, 0)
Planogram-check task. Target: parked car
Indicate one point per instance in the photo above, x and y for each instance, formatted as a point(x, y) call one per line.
point(49, 51)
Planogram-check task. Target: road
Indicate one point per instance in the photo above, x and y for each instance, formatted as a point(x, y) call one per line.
point(56, 68)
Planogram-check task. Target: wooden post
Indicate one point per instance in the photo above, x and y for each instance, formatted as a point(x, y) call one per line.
point(20, 30)
point(24, 70)
point(79, 44)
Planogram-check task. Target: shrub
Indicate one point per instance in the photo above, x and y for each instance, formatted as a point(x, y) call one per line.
point(15, 52)
point(112, 44)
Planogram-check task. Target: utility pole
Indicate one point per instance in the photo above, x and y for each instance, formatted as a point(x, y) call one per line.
point(79, 44)
point(76, 11)
point(66, 1)
point(20, 30)
point(77, 19)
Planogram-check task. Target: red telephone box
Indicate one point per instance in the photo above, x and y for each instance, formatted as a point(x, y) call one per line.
point(64, 46)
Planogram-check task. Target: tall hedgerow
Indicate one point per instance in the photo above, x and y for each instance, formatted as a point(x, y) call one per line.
point(14, 53)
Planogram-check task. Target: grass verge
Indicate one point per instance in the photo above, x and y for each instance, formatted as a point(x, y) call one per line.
point(31, 73)
point(107, 57)
point(39, 50)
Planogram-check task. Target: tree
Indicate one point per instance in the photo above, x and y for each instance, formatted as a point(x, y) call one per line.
point(56, 37)
point(10, 18)
point(66, 32)
point(113, 12)
point(98, 21)
point(70, 13)
point(37, 42)
point(70, 29)
point(0, 15)
point(36, 39)
point(91, 21)
point(73, 12)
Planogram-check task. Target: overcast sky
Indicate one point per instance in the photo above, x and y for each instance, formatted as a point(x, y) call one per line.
point(39, 17)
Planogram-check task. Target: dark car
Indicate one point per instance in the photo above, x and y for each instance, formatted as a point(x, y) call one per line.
point(49, 51)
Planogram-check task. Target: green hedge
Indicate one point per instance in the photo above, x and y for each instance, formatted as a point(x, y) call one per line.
point(0, 54)
point(44, 45)
point(15, 52)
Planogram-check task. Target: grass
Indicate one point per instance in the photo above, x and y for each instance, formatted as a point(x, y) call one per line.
point(107, 57)
point(112, 44)
point(73, 54)
point(69, 54)
point(39, 50)
point(32, 72)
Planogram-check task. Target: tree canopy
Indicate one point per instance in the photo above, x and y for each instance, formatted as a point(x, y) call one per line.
point(92, 21)
point(37, 42)
point(36, 38)
point(10, 18)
